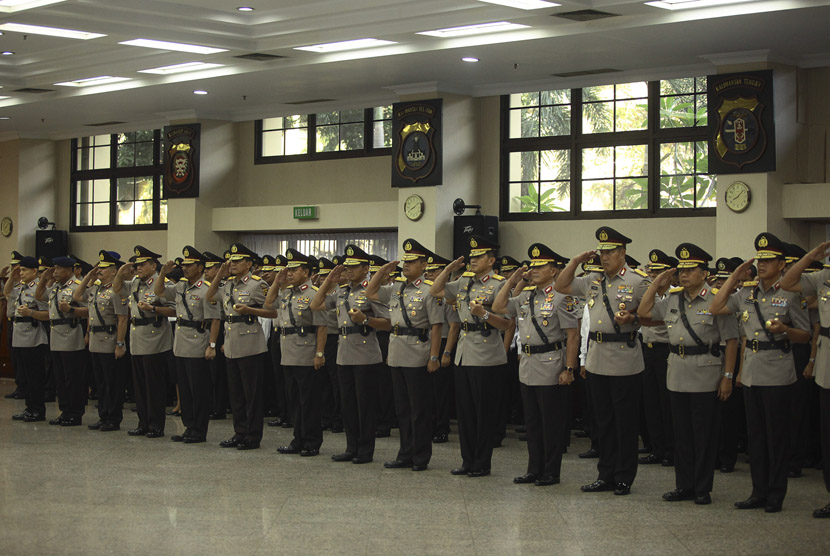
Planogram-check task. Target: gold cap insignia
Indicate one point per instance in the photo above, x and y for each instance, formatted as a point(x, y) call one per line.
point(350, 251)
point(721, 266)
point(536, 252)
point(187, 252)
point(137, 252)
point(289, 255)
point(654, 257)
point(504, 261)
point(408, 246)
point(763, 242)
point(603, 236)
point(429, 260)
point(473, 242)
point(684, 253)
point(101, 257)
point(234, 249)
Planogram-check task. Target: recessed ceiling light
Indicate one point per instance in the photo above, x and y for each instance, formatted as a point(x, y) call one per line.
point(524, 4)
point(688, 4)
point(245, 9)
point(477, 29)
point(470, 59)
point(49, 31)
point(175, 46)
point(7, 53)
point(90, 81)
point(181, 68)
point(11, 6)
point(344, 45)
point(200, 92)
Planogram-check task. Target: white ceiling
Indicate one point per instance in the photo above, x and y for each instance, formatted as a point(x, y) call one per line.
point(642, 42)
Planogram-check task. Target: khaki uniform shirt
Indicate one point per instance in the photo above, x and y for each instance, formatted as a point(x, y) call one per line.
point(243, 339)
point(818, 284)
point(147, 339)
point(655, 334)
point(65, 337)
point(694, 373)
point(331, 319)
point(450, 316)
point(421, 309)
point(28, 334)
point(355, 348)
point(293, 311)
point(477, 349)
point(626, 287)
point(10, 301)
point(554, 314)
point(109, 307)
point(191, 304)
point(768, 367)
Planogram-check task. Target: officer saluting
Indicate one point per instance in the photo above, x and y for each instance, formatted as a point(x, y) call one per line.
point(414, 348)
point(771, 318)
point(615, 358)
point(194, 344)
point(548, 331)
point(696, 380)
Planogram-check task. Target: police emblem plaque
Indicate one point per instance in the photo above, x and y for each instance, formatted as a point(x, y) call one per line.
point(181, 161)
point(416, 143)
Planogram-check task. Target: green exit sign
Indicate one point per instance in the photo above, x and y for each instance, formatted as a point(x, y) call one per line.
point(305, 213)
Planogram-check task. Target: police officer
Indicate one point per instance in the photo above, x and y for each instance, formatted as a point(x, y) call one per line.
point(510, 405)
point(548, 332)
point(302, 333)
point(414, 347)
point(29, 338)
point(19, 392)
point(772, 319)
point(442, 378)
point(194, 343)
point(696, 377)
point(481, 357)
point(283, 403)
point(66, 340)
point(218, 375)
point(655, 357)
point(615, 357)
point(242, 296)
point(151, 340)
point(358, 352)
point(332, 419)
point(798, 279)
point(387, 418)
point(108, 319)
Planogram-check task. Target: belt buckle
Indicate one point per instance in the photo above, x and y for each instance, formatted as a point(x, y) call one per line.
point(754, 346)
point(343, 331)
point(526, 349)
point(681, 351)
point(599, 337)
point(396, 330)
point(464, 326)
point(650, 345)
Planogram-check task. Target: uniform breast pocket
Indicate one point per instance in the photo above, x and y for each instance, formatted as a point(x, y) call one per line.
point(706, 320)
point(671, 320)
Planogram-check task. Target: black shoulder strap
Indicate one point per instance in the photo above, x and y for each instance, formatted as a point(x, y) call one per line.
point(607, 303)
point(406, 318)
point(761, 318)
point(95, 305)
point(184, 302)
point(533, 319)
point(682, 306)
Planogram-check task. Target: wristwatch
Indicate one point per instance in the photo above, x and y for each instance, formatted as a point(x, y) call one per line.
point(121, 344)
point(320, 354)
point(433, 358)
point(727, 375)
point(486, 315)
point(570, 369)
point(365, 322)
point(448, 353)
point(213, 345)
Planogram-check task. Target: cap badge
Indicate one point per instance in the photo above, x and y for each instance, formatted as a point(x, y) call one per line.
point(721, 266)
point(603, 236)
point(408, 246)
point(684, 253)
point(289, 255)
point(350, 251)
point(473, 242)
point(137, 252)
point(535, 252)
point(654, 257)
point(101, 256)
point(763, 242)
point(187, 252)
point(234, 248)
point(429, 260)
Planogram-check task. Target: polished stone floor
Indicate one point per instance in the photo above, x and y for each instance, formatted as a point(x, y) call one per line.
point(73, 491)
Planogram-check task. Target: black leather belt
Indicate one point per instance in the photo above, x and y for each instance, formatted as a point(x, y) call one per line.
point(421, 333)
point(232, 319)
point(544, 348)
point(362, 330)
point(824, 331)
point(755, 345)
point(195, 324)
point(145, 321)
point(475, 326)
point(71, 322)
point(31, 320)
point(683, 351)
point(109, 329)
point(656, 345)
point(298, 330)
point(600, 337)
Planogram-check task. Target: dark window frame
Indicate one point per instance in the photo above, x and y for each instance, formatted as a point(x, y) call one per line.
point(311, 150)
point(653, 136)
point(113, 173)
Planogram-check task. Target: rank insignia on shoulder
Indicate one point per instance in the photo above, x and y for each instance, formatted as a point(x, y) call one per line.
point(676, 290)
point(528, 288)
point(715, 291)
point(468, 274)
point(182, 279)
point(315, 288)
point(400, 279)
point(97, 283)
point(255, 277)
point(428, 282)
point(498, 277)
point(640, 272)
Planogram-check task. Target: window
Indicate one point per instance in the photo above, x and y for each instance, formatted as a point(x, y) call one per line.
point(116, 182)
point(325, 135)
point(380, 243)
point(629, 149)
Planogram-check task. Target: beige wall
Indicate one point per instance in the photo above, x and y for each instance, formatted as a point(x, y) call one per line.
point(9, 178)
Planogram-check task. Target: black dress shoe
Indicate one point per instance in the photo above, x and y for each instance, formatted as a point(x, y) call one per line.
point(309, 453)
point(71, 422)
point(216, 416)
point(288, 449)
point(727, 469)
point(703, 499)
point(34, 417)
point(107, 427)
point(20, 416)
point(361, 459)
point(622, 489)
point(649, 459)
point(12, 395)
point(751, 503)
point(275, 423)
point(231, 442)
point(287, 425)
point(546, 480)
point(678, 494)
point(420, 467)
point(592, 453)
point(337, 429)
point(597, 486)
point(248, 445)
point(644, 450)
point(194, 439)
point(383, 433)
point(345, 456)
point(667, 462)
point(479, 473)
point(155, 433)
point(525, 479)
point(581, 434)
point(795, 474)
point(460, 471)
point(822, 513)
point(178, 438)
point(397, 464)
point(520, 429)
point(440, 438)
point(56, 421)
point(95, 426)
point(773, 507)
point(175, 413)
point(140, 431)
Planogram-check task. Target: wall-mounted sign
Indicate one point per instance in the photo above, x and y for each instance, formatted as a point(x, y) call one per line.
point(181, 161)
point(416, 143)
point(305, 213)
point(741, 123)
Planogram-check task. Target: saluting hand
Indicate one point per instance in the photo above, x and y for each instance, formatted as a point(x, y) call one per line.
point(664, 278)
point(742, 272)
point(91, 275)
point(224, 270)
point(16, 273)
point(517, 277)
point(820, 252)
point(49, 274)
point(584, 257)
point(334, 275)
point(457, 264)
point(126, 270)
point(4, 272)
point(167, 267)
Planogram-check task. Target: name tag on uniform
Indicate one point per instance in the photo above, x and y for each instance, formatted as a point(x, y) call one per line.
point(780, 302)
point(704, 312)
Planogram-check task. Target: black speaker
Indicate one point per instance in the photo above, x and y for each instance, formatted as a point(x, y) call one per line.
point(466, 226)
point(51, 243)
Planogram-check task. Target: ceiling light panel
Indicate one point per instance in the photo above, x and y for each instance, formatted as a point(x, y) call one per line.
point(90, 81)
point(345, 45)
point(49, 31)
point(12, 6)
point(689, 4)
point(523, 4)
point(478, 29)
point(174, 46)
point(181, 68)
